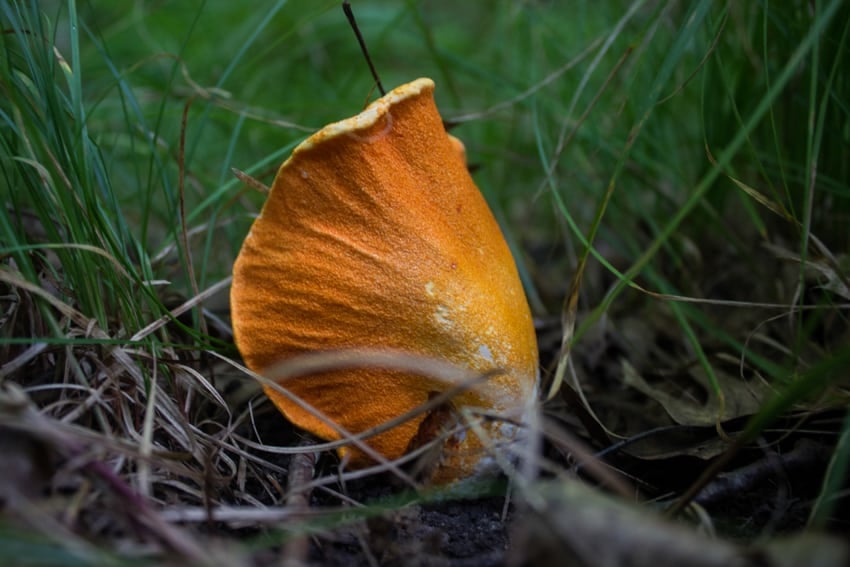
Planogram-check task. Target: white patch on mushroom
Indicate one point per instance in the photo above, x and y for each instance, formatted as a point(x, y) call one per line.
point(485, 353)
point(429, 289)
point(442, 315)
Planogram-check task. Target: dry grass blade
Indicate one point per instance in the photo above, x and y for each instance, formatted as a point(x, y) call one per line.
point(17, 412)
point(183, 308)
point(456, 380)
point(585, 459)
point(15, 280)
point(570, 308)
point(250, 181)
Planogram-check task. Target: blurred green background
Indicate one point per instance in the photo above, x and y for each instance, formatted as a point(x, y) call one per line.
point(668, 142)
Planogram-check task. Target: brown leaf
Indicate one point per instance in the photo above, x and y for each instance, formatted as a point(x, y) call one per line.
point(741, 397)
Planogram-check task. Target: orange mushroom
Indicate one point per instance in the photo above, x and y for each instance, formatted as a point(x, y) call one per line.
point(375, 236)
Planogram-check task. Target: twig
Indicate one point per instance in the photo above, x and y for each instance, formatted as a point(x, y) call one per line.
point(301, 469)
point(741, 481)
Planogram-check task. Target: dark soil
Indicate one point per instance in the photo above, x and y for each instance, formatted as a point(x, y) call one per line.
point(461, 533)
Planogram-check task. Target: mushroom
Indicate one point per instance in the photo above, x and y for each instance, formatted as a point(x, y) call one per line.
point(374, 235)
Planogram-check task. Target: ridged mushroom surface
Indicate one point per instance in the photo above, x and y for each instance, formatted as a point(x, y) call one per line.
point(374, 235)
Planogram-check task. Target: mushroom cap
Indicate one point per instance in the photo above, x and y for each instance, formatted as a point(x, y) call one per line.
point(375, 236)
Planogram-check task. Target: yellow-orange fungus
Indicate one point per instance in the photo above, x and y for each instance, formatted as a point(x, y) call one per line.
point(375, 236)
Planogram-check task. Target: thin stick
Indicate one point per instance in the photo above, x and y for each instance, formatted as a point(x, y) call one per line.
point(346, 7)
point(301, 470)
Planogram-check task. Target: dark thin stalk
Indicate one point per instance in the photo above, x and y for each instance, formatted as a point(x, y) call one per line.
point(346, 7)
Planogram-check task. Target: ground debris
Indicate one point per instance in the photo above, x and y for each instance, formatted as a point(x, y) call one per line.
point(578, 525)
